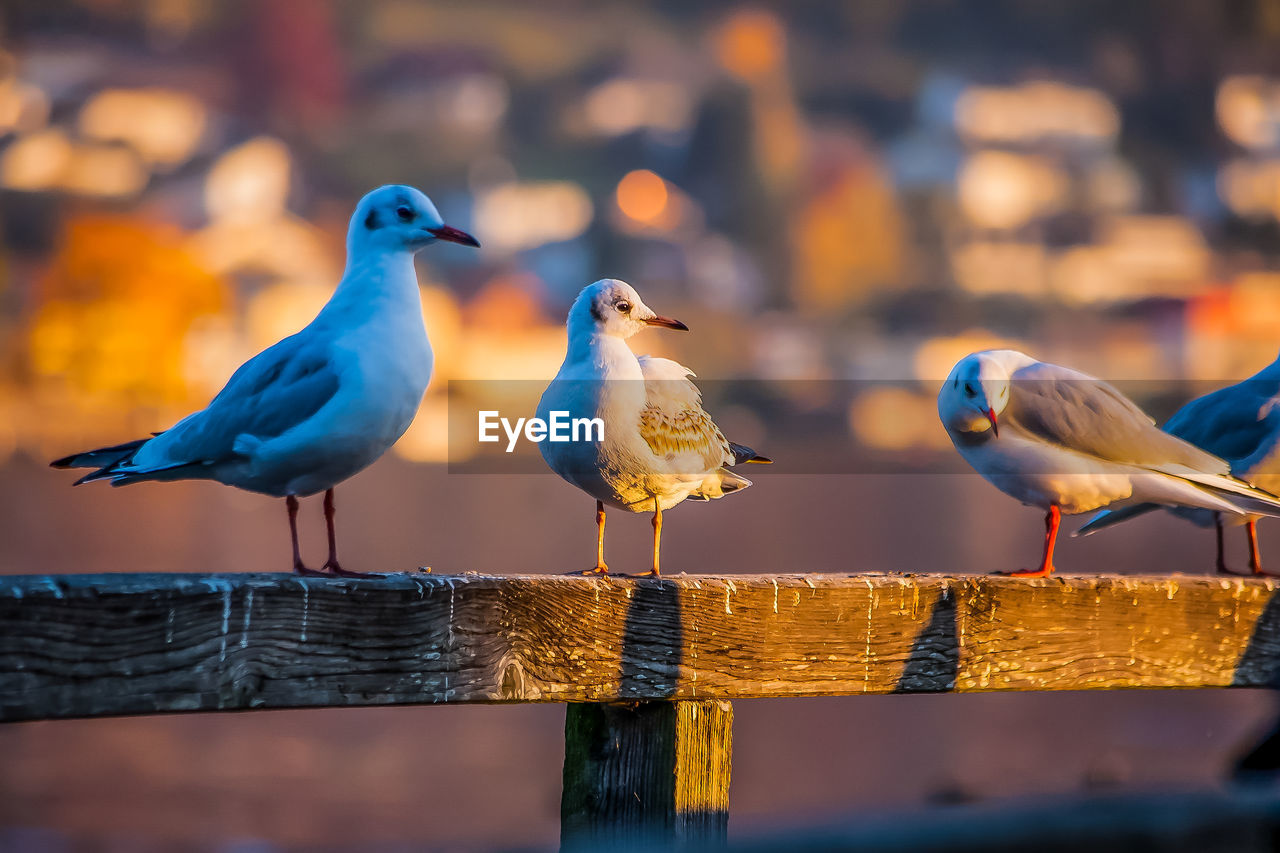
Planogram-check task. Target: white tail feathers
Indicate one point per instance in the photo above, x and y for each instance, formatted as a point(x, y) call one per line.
point(719, 483)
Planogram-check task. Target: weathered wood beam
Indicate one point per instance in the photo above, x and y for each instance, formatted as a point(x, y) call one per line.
point(92, 645)
point(646, 773)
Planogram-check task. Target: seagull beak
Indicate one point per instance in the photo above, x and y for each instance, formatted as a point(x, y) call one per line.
point(666, 322)
point(453, 235)
point(991, 416)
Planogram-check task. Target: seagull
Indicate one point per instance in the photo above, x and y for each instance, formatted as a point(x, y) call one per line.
point(1240, 423)
point(657, 446)
point(1064, 441)
point(323, 404)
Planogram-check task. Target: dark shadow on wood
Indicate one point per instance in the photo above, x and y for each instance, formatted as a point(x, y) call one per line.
point(934, 661)
point(652, 641)
point(619, 763)
point(1259, 665)
point(649, 771)
point(1258, 764)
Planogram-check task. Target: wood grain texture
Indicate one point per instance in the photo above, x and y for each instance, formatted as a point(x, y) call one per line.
point(89, 645)
point(646, 773)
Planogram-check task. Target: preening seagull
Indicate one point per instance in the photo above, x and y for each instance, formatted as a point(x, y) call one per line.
point(323, 404)
point(658, 445)
point(1064, 441)
point(1240, 423)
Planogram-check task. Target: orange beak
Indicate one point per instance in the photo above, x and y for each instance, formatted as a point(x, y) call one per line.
point(991, 416)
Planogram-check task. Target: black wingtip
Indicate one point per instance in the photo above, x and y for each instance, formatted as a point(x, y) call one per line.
point(103, 458)
point(742, 453)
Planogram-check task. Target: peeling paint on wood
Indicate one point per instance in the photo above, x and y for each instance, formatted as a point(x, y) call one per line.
point(92, 645)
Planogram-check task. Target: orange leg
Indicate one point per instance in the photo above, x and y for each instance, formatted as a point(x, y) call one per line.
point(657, 538)
point(601, 568)
point(1255, 559)
point(1255, 555)
point(1051, 521)
point(657, 534)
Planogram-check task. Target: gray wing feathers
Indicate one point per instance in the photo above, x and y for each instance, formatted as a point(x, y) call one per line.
point(273, 392)
point(1089, 416)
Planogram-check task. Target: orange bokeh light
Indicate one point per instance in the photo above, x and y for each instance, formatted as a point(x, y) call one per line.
point(643, 196)
point(116, 305)
point(751, 44)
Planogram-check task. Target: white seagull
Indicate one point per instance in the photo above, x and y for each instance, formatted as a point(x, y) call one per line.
point(1240, 423)
point(1064, 441)
point(323, 404)
point(658, 445)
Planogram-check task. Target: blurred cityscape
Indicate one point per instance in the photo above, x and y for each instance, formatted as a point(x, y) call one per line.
point(847, 191)
point(853, 191)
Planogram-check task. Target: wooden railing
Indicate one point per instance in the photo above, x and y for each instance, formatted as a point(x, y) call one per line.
point(649, 666)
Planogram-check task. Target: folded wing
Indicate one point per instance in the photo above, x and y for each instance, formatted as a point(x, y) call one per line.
point(1079, 413)
point(673, 422)
point(272, 393)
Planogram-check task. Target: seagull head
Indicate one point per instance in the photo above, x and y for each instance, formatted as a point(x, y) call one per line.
point(398, 218)
point(612, 307)
point(975, 394)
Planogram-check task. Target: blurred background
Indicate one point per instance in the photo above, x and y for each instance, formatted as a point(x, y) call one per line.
point(830, 194)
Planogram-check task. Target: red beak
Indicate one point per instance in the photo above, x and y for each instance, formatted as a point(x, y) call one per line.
point(454, 235)
point(668, 323)
point(995, 427)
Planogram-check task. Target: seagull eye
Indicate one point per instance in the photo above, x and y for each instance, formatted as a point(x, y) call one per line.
point(969, 390)
point(405, 213)
point(623, 307)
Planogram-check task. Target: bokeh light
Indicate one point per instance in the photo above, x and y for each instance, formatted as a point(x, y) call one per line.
point(515, 215)
point(249, 183)
point(1003, 191)
point(643, 196)
point(163, 126)
point(37, 161)
point(751, 43)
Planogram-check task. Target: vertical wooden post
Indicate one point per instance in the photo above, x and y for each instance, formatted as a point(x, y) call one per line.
point(648, 772)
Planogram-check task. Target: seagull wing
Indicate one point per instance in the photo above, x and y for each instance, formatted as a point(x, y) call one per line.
point(673, 422)
point(1063, 407)
point(275, 391)
point(1238, 423)
point(1084, 415)
point(1235, 422)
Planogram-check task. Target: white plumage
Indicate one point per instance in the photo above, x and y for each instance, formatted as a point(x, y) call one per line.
point(1064, 441)
point(659, 446)
point(323, 404)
